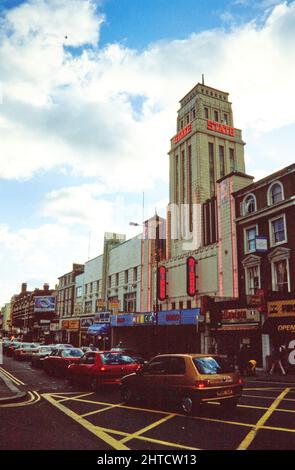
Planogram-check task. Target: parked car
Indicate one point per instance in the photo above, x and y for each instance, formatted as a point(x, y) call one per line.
point(63, 346)
point(38, 357)
point(59, 360)
point(98, 368)
point(11, 347)
point(130, 352)
point(189, 379)
point(24, 351)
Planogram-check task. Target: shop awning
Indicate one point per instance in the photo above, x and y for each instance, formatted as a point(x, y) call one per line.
point(239, 327)
point(278, 326)
point(99, 329)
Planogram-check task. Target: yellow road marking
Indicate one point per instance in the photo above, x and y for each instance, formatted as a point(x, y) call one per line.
point(252, 434)
point(147, 428)
point(76, 398)
point(150, 439)
point(97, 431)
point(11, 377)
point(268, 398)
point(34, 398)
point(100, 410)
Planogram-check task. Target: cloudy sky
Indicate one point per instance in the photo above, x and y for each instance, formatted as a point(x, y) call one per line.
point(89, 91)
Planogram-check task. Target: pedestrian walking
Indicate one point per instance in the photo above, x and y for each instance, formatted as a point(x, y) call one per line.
point(277, 357)
point(243, 359)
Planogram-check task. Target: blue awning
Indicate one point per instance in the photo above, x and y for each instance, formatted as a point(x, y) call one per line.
point(99, 329)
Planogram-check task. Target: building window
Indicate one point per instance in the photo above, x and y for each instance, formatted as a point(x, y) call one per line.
point(126, 276)
point(182, 187)
point(193, 113)
point(189, 304)
point(97, 286)
point(88, 307)
point(181, 124)
point(250, 240)
point(211, 168)
point(187, 119)
point(249, 204)
point(173, 306)
point(232, 160)
point(275, 193)
point(206, 110)
point(110, 281)
point(221, 161)
point(181, 305)
point(278, 233)
point(252, 280)
point(79, 291)
point(130, 302)
point(117, 279)
point(135, 274)
point(216, 116)
point(225, 118)
point(281, 276)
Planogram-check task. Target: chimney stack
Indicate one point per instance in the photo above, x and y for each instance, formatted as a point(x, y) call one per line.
point(24, 288)
point(46, 286)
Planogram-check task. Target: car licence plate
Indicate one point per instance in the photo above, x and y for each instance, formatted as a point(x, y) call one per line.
point(224, 393)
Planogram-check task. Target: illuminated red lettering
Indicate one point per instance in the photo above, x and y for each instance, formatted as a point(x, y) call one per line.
point(221, 128)
point(191, 276)
point(162, 283)
point(181, 134)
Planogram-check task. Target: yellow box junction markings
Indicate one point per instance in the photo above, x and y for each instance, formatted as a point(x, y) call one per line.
point(260, 423)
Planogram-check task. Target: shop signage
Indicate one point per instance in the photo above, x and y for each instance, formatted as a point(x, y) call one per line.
point(181, 134)
point(178, 317)
point(100, 303)
point(240, 316)
point(74, 324)
point(65, 324)
point(86, 322)
point(261, 244)
point(281, 308)
point(144, 319)
point(221, 128)
point(114, 304)
point(284, 328)
point(102, 317)
point(122, 320)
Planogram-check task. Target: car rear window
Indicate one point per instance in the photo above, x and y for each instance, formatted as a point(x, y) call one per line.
point(72, 353)
point(212, 365)
point(116, 359)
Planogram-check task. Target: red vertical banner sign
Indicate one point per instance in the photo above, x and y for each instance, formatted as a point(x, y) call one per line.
point(191, 276)
point(162, 283)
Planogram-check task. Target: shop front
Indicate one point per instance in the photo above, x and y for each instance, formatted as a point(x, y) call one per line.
point(237, 327)
point(99, 335)
point(280, 327)
point(153, 333)
point(85, 324)
point(70, 331)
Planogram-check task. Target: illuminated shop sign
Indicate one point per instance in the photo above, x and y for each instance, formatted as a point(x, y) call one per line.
point(221, 128)
point(191, 276)
point(281, 308)
point(181, 134)
point(162, 283)
point(179, 317)
point(240, 316)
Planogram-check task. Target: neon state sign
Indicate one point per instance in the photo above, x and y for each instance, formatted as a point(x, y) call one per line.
point(221, 128)
point(181, 134)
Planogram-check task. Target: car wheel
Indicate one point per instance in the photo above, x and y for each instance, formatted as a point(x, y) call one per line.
point(127, 395)
point(188, 405)
point(229, 404)
point(94, 384)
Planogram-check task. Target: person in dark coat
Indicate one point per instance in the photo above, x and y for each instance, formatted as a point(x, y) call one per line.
point(243, 358)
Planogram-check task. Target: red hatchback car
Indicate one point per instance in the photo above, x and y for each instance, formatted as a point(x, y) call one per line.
point(58, 362)
point(101, 368)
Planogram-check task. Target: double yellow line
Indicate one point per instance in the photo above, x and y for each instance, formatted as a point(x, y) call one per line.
point(11, 377)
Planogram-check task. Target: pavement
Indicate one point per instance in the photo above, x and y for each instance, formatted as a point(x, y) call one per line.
point(262, 376)
point(9, 393)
